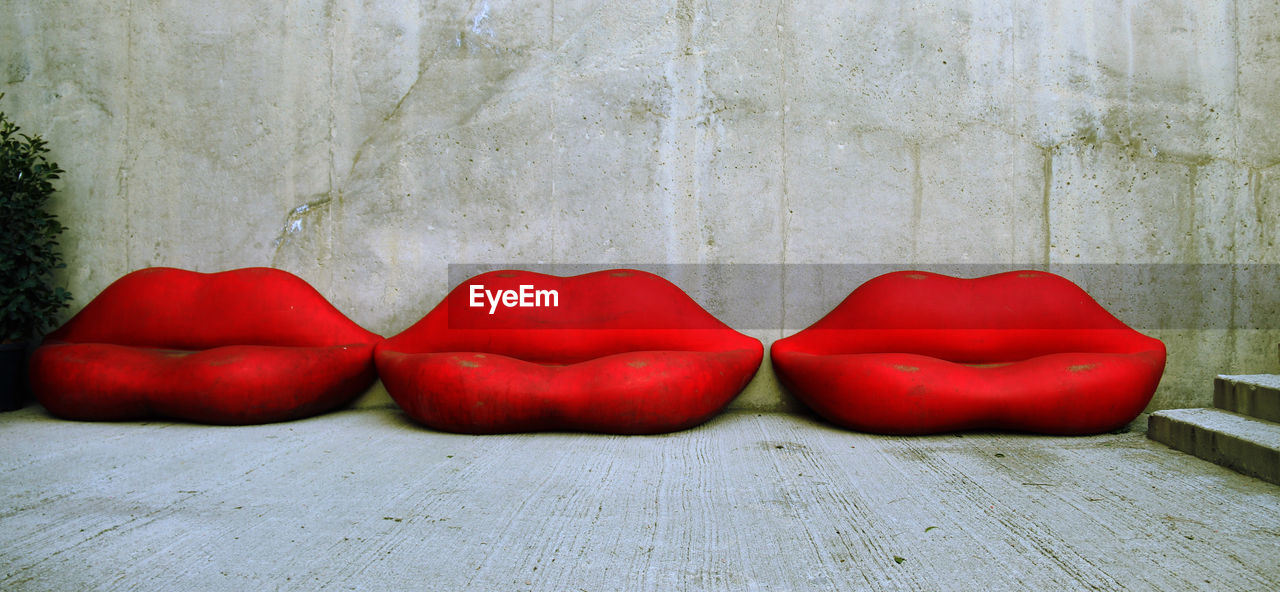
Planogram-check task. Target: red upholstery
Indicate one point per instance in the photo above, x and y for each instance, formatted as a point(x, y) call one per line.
point(623, 352)
point(239, 347)
point(913, 353)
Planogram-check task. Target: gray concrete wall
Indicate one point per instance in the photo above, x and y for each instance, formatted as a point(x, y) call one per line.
point(365, 146)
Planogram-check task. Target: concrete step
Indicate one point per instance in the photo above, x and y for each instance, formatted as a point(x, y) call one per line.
point(1245, 444)
point(1255, 395)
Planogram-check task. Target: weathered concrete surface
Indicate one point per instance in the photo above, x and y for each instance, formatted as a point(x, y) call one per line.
point(365, 146)
point(365, 500)
point(1255, 395)
point(1240, 442)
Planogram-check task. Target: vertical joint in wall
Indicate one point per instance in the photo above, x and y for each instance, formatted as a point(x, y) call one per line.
point(1046, 206)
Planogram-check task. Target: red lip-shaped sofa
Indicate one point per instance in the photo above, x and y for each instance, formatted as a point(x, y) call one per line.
point(621, 351)
point(915, 353)
point(244, 346)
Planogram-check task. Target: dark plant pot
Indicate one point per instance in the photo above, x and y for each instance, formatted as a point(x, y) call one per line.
point(13, 376)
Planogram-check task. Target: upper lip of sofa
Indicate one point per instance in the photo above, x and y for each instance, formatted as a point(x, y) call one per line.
point(929, 308)
point(601, 309)
point(281, 309)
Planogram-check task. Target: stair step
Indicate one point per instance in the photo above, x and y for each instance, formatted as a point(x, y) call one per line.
point(1245, 444)
point(1256, 395)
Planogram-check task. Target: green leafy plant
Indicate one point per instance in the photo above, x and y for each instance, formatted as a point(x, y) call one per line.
point(29, 300)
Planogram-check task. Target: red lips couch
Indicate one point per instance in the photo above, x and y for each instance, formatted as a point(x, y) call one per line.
point(620, 351)
point(244, 346)
point(913, 353)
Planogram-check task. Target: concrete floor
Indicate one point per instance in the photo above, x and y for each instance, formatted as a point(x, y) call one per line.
point(363, 499)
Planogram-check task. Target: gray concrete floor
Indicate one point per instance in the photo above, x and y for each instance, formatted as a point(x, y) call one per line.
point(363, 499)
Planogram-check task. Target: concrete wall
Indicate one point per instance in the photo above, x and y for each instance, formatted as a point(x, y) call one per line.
point(367, 145)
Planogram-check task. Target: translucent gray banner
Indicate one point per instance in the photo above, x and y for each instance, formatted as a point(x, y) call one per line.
point(792, 296)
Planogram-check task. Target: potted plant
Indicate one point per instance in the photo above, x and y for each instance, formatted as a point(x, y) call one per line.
point(29, 301)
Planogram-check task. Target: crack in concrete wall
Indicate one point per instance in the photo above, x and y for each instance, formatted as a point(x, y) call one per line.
point(296, 222)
